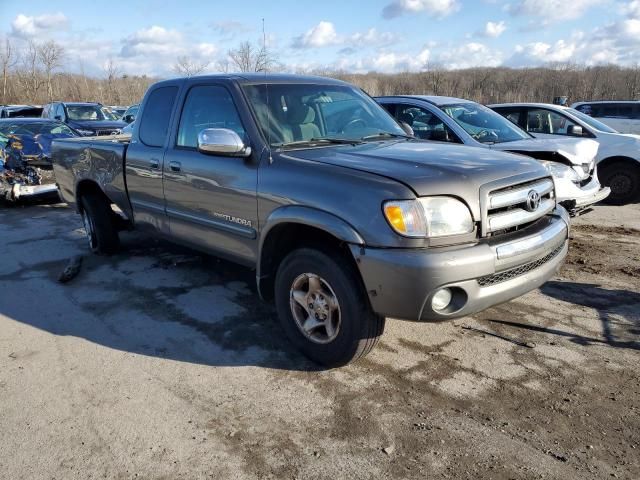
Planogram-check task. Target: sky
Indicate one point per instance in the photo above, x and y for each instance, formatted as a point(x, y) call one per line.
point(147, 36)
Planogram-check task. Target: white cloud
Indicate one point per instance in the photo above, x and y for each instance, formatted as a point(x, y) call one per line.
point(25, 26)
point(539, 53)
point(155, 40)
point(493, 29)
point(322, 35)
point(468, 55)
point(631, 9)
point(552, 10)
point(435, 8)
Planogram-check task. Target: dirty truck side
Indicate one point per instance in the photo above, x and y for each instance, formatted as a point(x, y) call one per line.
point(345, 219)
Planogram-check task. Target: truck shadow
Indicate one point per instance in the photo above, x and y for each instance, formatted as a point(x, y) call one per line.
point(161, 300)
point(618, 312)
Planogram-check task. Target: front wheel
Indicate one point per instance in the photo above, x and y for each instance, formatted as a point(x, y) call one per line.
point(323, 309)
point(623, 179)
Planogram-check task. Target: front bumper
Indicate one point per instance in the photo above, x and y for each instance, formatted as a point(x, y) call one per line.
point(401, 283)
point(575, 198)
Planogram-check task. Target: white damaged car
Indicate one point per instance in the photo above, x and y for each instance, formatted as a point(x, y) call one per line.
point(571, 161)
point(618, 156)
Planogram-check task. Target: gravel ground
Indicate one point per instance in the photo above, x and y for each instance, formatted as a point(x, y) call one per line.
point(161, 363)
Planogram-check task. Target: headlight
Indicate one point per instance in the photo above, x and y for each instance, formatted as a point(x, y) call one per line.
point(428, 217)
point(86, 133)
point(559, 170)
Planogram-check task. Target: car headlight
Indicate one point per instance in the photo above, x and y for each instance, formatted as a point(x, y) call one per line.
point(86, 133)
point(428, 217)
point(559, 170)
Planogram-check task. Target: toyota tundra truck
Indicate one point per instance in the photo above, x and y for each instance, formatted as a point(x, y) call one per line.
point(346, 219)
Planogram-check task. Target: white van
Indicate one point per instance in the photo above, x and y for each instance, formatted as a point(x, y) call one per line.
point(623, 116)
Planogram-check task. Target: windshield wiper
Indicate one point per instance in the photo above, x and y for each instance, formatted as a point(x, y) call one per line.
point(325, 141)
point(385, 135)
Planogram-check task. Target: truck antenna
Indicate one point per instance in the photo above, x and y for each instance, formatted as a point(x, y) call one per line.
point(266, 89)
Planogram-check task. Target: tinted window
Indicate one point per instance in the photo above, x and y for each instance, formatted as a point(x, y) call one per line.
point(511, 114)
point(540, 120)
point(59, 112)
point(207, 107)
point(154, 123)
point(483, 124)
point(425, 124)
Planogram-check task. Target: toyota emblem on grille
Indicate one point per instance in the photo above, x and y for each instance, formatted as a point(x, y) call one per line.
point(533, 201)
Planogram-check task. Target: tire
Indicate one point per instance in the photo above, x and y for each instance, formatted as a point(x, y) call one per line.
point(624, 180)
point(357, 329)
point(97, 218)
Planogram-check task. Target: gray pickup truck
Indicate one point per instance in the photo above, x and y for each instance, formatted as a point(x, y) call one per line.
point(345, 218)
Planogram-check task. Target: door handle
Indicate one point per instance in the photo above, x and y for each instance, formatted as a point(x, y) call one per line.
point(154, 163)
point(175, 166)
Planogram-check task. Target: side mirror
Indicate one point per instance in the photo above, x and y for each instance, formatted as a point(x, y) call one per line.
point(127, 118)
point(222, 141)
point(407, 129)
point(575, 130)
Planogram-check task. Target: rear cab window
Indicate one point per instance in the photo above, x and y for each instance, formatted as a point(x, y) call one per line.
point(156, 115)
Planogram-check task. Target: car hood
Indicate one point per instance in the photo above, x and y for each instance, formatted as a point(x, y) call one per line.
point(96, 124)
point(428, 168)
point(576, 150)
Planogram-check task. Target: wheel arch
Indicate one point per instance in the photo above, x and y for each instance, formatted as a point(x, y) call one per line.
point(291, 227)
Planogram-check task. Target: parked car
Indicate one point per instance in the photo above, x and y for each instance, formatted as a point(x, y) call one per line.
point(87, 118)
point(622, 116)
point(618, 155)
point(117, 110)
point(20, 111)
point(571, 162)
point(130, 115)
point(25, 156)
point(345, 218)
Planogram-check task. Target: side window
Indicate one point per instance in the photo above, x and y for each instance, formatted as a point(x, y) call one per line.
point(513, 115)
point(425, 124)
point(390, 108)
point(59, 112)
point(636, 112)
point(624, 110)
point(540, 120)
point(207, 106)
point(156, 115)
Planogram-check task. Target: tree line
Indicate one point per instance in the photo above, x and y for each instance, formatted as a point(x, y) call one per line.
point(39, 73)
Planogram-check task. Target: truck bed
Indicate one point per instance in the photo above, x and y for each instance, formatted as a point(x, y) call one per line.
point(97, 159)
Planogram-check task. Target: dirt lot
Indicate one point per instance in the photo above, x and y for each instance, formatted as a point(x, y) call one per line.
point(161, 363)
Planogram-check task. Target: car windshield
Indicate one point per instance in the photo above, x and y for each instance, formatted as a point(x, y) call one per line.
point(109, 114)
point(86, 112)
point(483, 124)
point(592, 122)
point(47, 128)
point(299, 114)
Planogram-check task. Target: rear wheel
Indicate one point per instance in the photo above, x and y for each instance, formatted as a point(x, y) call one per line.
point(97, 218)
point(323, 309)
point(624, 180)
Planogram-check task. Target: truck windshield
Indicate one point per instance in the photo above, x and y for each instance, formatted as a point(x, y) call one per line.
point(592, 122)
point(295, 114)
point(483, 124)
point(85, 112)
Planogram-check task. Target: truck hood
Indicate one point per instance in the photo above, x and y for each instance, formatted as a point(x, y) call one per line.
point(576, 150)
point(428, 168)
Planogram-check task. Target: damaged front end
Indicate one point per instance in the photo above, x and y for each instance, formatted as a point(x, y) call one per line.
point(26, 170)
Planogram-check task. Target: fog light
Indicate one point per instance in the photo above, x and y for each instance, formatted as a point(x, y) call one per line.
point(441, 299)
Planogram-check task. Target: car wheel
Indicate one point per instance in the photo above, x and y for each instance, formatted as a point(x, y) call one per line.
point(98, 224)
point(624, 181)
point(323, 308)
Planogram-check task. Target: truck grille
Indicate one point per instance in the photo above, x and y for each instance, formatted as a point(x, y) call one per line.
point(500, 277)
point(100, 133)
point(519, 205)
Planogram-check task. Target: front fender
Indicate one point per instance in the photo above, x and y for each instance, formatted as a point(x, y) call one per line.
point(311, 217)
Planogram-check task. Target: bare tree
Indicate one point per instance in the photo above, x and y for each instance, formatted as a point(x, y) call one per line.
point(51, 56)
point(112, 73)
point(250, 58)
point(8, 60)
point(30, 75)
point(187, 67)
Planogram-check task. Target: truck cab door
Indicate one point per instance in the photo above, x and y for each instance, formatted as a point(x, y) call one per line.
point(145, 157)
point(211, 199)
